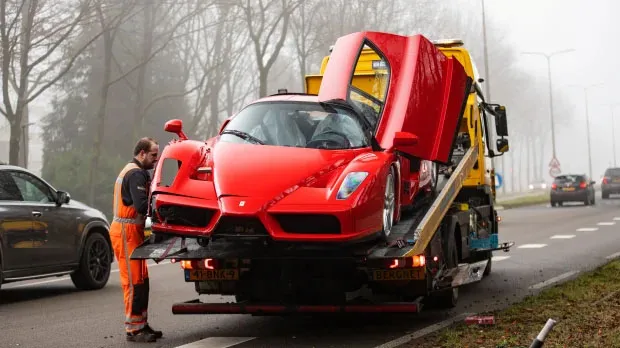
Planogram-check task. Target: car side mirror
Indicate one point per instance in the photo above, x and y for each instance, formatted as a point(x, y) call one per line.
point(175, 126)
point(403, 140)
point(502, 145)
point(592, 182)
point(501, 122)
point(63, 198)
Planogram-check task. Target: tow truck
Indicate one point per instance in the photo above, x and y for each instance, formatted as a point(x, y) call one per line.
point(444, 244)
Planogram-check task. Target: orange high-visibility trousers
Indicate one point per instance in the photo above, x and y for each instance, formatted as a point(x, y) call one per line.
point(126, 234)
point(133, 273)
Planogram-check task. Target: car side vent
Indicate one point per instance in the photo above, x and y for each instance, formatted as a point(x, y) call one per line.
point(169, 170)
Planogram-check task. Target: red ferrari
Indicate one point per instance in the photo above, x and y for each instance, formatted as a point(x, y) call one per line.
point(317, 168)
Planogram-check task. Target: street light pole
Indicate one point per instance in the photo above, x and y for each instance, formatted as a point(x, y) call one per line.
point(548, 56)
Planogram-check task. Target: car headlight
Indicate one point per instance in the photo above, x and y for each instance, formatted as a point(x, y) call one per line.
point(531, 187)
point(350, 183)
point(544, 186)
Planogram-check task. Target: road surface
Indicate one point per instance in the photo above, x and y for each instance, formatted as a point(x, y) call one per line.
point(553, 244)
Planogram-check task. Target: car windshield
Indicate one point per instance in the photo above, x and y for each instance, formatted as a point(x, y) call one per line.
point(562, 179)
point(612, 172)
point(296, 124)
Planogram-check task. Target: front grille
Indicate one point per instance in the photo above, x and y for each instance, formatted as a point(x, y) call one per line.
point(309, 223)
point(240, 226)
point(185, 216)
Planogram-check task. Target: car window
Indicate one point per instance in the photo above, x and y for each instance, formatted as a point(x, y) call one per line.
point(297, 124)
point(612, 172)
point(562, 179)
point(8, 190)
point(31, 188)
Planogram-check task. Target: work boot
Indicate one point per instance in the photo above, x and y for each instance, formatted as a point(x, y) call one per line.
point(141, 336)
point(149, 329)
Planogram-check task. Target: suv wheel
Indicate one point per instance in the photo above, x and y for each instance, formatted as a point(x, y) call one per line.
point(95, 264)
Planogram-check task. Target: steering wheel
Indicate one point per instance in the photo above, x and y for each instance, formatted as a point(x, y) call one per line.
point(319, 143)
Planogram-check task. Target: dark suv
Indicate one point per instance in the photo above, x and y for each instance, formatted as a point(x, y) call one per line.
point(43, 233)
point(611, 182)
point(572, 188)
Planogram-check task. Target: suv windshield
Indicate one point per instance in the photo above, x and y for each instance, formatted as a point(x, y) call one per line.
point(296, 124)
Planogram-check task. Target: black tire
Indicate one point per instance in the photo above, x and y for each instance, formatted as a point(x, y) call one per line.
point(95, 264)
point(449, 298)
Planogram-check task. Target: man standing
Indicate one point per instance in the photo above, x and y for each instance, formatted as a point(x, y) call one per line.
point(127, 233)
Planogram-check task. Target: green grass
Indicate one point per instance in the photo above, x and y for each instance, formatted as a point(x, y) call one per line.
point(587, 311)
point(524, 201)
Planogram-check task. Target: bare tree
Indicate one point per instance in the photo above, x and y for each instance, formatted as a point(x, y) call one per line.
point(262, 24)
point(305, 28)
point(32, 34)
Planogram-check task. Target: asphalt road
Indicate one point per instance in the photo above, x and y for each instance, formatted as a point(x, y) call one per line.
point(552, 244)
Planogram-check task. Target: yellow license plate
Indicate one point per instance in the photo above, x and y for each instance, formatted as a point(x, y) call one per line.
point(616, 180)
point(211, 274)
point(399, 274)
point(569, 189)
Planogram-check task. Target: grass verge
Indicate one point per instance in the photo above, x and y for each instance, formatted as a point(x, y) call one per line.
point(587, 311)
point(524, 201)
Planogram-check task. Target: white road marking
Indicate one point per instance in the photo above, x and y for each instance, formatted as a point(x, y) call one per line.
point(562, 236)
point(531, 246)
point(587, 229)
point(217, 342)
point(606, 223)
point(553, 280)
point(8, 286)
point(425, 331)
point(617, 218)
point(500, 258)
point(613, 256)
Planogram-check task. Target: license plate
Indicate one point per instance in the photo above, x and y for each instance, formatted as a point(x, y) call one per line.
point(399, 274)
point(616, 180)
point(211, 274)
point(568, 189)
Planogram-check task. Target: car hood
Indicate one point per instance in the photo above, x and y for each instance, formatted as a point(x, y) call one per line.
point(263, 171)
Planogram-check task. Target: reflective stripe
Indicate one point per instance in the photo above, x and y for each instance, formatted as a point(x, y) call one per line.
point(118, 185)
point(129, 221)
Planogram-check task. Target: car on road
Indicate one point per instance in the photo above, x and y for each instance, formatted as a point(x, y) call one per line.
point(611, 182)
point(537, 185)
point(43, 233)
point(572, 188)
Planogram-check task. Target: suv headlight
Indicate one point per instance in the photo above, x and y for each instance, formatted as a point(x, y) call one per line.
point(350, 183)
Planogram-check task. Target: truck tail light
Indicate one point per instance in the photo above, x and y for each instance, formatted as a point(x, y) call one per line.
point(199, 264)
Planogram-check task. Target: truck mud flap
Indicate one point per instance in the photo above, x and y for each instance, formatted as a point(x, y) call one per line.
point(465, 273)
point(197, 307)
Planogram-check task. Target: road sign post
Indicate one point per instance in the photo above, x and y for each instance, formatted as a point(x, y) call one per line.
point(554, 171)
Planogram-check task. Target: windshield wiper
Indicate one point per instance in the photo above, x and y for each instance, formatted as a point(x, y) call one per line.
point(243, 135)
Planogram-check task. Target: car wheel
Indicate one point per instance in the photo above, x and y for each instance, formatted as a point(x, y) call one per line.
point(95, 264)
point(389, 204)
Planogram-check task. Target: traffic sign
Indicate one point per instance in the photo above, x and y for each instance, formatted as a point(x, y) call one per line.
point(554, 171)
point(554, 163)
point(498, 180)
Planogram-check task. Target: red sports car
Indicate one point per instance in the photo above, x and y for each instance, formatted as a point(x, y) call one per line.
point(317, 168)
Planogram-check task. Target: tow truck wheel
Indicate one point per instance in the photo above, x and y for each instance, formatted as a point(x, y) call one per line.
point(389, 204)
point(448, 298)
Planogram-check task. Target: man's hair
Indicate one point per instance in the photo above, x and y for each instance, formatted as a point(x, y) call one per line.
point(144, 144)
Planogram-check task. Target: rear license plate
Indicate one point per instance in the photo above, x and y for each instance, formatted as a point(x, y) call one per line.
point(616, 180)
point(211, 274)
point(398, 274)
point(568, 189)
